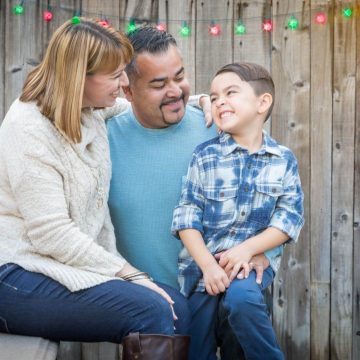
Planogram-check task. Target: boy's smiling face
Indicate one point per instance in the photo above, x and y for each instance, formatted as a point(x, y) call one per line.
point(235, 107)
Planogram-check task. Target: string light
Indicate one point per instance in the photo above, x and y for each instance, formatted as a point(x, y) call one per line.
point(267, 25)
point(185, 30)
point(76, 20)
point(18, 9)
point(104, 23)
point(320, 18)
point(240, 28)
point(48, 15)
point(214, 29)
point(347, 12)
point(161, 27)
point(293, 23)
point(131, 26)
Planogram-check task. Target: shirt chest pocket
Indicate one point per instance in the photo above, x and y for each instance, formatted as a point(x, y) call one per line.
point(220, 206)
point(266, 196)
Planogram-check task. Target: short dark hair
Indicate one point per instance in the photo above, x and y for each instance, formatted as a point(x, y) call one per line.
point(147, 39)
point(257, 77)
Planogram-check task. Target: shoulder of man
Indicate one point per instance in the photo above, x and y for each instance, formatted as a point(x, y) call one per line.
point(119, 119)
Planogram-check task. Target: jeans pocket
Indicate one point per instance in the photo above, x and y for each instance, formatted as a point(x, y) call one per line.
point(6, 269)
point(3, 326)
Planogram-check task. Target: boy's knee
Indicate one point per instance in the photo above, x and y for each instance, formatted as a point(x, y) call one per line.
point(242, 299)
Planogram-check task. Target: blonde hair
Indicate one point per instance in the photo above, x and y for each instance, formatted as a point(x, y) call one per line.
point(74, 51)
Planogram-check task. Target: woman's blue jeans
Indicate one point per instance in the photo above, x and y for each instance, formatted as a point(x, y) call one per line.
point(34, 304)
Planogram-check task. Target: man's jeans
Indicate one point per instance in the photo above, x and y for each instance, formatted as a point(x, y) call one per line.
point(33, 304)
point(242, 310)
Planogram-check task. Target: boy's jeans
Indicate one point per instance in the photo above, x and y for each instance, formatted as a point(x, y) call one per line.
point(33, 304)
point(243, 309)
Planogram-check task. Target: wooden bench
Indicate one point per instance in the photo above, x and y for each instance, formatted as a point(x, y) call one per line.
point(27, 348)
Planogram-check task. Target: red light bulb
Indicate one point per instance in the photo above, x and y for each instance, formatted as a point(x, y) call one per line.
point(267, 25)
point(48, 15)
point(215, 30)
point(320, 18)
point(161, 27)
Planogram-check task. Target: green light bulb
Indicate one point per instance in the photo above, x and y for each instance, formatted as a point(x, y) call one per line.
point(18, 9)
point(131, 27)
point(185, 30)
point(293, 23)
point(240, 29)
point(347, 12)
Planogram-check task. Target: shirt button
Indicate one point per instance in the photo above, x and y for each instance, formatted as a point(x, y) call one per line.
point(221, 194)
point(243, 213)
point(273, 190)
point(232, 232)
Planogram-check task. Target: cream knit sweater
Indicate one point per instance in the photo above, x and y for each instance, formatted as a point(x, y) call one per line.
point(54, 217)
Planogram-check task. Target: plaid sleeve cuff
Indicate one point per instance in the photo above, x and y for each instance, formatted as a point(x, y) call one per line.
point(274, 257)
point(287, 222)
point(186, 217)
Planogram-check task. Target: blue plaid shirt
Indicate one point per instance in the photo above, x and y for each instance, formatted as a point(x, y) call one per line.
point(230, 195)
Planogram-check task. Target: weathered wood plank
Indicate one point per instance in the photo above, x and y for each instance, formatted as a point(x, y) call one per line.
point(342, 182)
point(143, 11)
point(320, 215)
point(356, 257)
point(175, 11)
point(254, 46)
point(212, 52)
point(22, 46)
point(290, 126)
point(104, 10)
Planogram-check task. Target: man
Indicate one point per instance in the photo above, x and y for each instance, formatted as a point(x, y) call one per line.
point(151, 145)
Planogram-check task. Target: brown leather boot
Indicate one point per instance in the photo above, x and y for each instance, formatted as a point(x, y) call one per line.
point(155, 347)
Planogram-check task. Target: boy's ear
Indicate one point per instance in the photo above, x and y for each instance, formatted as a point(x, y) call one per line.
point(128, 93)
point(266, 100)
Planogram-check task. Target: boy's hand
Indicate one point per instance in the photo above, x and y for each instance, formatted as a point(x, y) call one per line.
point(215, 279)
point(235, 259)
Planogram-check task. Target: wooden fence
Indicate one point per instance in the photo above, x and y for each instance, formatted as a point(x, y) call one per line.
point(316, 70)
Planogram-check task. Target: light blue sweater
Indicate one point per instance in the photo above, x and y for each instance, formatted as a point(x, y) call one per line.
point(148, 166)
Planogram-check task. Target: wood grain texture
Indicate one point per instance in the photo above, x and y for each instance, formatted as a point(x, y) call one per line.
point(212, 52)
point(291, 127)
point(342, 181)
point(320, 191)
point(175, 11)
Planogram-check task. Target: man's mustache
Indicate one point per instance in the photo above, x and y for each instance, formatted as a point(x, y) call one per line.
point(166, 102)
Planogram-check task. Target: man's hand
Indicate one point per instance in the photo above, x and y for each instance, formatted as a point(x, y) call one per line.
point(235, 259)
point(205, 104)
point(258, 263)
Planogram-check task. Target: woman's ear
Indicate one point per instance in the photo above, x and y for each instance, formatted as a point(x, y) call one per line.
point(266, 100)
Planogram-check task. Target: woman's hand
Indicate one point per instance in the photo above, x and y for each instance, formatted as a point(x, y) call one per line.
point(129, 269)
point(152, 286)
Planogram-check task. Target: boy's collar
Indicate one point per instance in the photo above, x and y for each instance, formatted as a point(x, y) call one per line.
point(229, 145)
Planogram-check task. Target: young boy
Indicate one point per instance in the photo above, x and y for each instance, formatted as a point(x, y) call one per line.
point(242, 197)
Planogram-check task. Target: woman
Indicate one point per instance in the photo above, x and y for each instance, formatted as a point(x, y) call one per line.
point(61, 276)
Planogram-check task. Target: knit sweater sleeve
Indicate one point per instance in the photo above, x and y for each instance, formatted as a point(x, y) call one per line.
point(35, 174)
point(120, 105)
